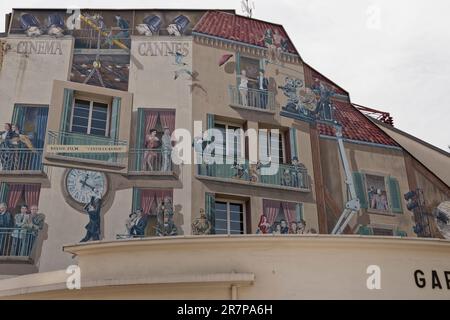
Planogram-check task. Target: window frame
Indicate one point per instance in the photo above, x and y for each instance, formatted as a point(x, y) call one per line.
point(244, 213)
point(281, 134)
point(227, 125)
point(91, 107)
point(385, 177)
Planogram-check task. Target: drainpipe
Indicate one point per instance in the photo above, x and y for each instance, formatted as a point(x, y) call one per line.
point(234, 292)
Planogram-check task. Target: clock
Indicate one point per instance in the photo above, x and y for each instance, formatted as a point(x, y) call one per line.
point(82, 185)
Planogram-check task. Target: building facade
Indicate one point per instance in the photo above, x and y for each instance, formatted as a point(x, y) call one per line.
point(100, 99)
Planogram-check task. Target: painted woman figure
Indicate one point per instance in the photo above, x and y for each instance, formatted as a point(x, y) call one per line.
point(6, 155)
point(263, 225)
point(151, 143)
point(243, 88)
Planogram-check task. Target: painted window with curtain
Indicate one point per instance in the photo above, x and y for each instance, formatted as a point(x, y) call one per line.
point(280, 217)
point(15, 195)
point(153, 139)
point(150, 202)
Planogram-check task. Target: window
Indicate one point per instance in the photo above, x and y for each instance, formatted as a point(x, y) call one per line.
point(90, 117)
point(233, 140)
point(229, 217)
point(378, 193)
point(282, 218)
point(269, 141)
point(251, 67)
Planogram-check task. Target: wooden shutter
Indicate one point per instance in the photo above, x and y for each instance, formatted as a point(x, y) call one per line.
point(136, 199)
point(293, 142)
point(115, 118)
point(3, 192)
point(299, 211)
point(358, 182)
point(394, 191)
point(66, 111)
point(210, 209)
point(18, 117)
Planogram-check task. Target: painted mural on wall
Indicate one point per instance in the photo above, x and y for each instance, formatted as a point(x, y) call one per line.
point(21, 223)
point(305, 103)
point(282, 226)
point(201, 225)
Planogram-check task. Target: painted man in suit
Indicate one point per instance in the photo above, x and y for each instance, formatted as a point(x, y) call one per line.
point(140, 224)
point(6, 221)
point(93, 227)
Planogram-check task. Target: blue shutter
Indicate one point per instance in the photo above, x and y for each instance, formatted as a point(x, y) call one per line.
point(210, 209)
point(66, 111)
point(3, 192)
point(238, 68)
point(293, 142)
point(19, 116)
point(394, 190)
point(115, 118)
point(299, 211)
point(209, 122)
point(136, 199)
point(358, 182)
point(139, 144)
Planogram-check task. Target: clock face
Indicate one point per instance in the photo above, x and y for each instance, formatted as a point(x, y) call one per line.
point(81, 185)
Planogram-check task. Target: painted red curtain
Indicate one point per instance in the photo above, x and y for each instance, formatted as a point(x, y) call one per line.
point(289, 211)
point(32, 192)
point(14, 194)
point(151, 198)
point(271, 209)
point(151, 117)
point(167, 119)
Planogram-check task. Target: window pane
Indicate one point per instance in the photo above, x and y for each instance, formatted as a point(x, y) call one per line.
point(98, 124)
point(79, 129)
point(99, 115)
point(98, 132)
point(79, 121)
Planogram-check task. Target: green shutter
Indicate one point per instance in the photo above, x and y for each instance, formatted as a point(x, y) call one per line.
point(299, 211)
point(19, 116)
point(67, 109)
point(394, 190)
point(358, 182)
point(293, 142)
point(136, 199)
point(115, 118)
point(209, 121)
point(238, 68)
point(210, 209)
point(4, 192)
point(365, 231)
point(139, 140)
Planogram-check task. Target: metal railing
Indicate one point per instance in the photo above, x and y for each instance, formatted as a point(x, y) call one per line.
point(150, 160)
point(252, 98)
point(286, 175)
point(73, 139)
point(20, 159)
point(17, 242)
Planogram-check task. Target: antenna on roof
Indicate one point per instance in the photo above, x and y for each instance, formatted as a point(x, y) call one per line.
point(247, 7)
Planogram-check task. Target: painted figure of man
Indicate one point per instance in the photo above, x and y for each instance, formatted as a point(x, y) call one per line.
point(6, 221)
point(93, 227)
point(166, 149)
point(284, 227)
point(37, 224)
point(20, 234)
point(139, 225)
point(263, 87)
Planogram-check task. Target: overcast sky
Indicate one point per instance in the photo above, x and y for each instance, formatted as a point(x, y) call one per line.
point(390, 55)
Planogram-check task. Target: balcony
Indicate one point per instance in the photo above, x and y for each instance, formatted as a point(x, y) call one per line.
point(252, 99)
point(287, 177)
point(16, 244)
point(21, 161)
point(99, 150)
point(151, 162)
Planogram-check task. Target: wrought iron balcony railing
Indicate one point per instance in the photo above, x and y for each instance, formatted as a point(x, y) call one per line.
point(151, 161)
point(20, 160)
point(17, 242)
point(77, 139)
point(259, 100)
point(286, 176)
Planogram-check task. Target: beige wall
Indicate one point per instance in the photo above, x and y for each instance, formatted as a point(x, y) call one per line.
point(264, 267)
point(27, 75)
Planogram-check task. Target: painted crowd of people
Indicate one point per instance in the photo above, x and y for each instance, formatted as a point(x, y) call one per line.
point(18, 232)
point(283, 227)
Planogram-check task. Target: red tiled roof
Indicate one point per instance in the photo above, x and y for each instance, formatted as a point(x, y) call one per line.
point(355, 125)
point(238, 28)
